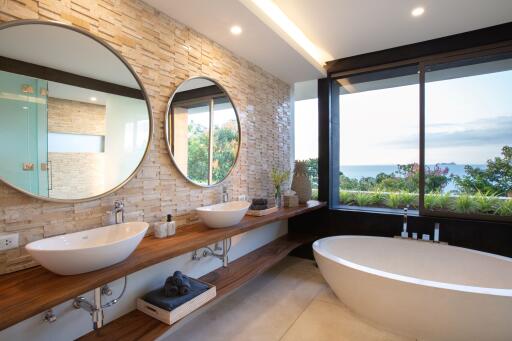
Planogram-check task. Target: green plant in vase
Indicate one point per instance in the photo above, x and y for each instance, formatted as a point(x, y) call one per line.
point(278, 178)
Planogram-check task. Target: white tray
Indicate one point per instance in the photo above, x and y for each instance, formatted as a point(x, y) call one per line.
point(173, 316)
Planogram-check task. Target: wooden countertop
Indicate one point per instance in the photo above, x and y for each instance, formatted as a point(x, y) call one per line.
point(28, 292)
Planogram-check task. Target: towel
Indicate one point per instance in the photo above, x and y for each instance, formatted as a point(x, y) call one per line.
point(158, 298)
point(259, 201)
point(170, 288)
point(258, 207)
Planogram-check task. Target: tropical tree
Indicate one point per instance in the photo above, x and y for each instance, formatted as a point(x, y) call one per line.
point(496, 178)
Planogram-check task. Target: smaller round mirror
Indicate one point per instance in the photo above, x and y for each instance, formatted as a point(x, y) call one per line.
point(202, 131)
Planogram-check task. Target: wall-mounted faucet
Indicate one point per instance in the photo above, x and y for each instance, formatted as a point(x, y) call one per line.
point(118, 211)
point(225, 195)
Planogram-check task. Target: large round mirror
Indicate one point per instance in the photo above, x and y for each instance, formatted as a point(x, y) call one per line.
point(202, 131)
point(75, 123)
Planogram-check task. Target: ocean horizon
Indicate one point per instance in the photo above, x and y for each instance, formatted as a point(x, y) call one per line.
point(363, 171)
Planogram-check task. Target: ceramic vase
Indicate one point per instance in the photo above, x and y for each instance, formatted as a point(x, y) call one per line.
point(301, 183)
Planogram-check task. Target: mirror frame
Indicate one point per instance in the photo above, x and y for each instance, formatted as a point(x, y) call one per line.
point(167, 133)
point(102, 42)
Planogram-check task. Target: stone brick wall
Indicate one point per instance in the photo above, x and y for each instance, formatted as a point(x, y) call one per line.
point(163, 52)
point(73, 117)
point(76, 174)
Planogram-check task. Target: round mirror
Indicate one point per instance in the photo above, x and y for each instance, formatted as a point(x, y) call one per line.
point(202, 131)
point(75, 123)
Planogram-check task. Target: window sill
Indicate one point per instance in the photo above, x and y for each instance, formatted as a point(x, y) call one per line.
point(375, 210)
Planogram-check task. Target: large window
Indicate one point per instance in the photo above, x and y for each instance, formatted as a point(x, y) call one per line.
point(468, 133)
point(379, 139)
point(449, 154)
point(306, 138)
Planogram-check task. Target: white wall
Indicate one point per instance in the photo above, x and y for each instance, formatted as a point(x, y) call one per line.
point(72, 323)
point(126, 137)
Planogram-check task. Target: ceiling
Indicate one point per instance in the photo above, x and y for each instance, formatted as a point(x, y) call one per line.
point(66, 50)
point(341, 28)
point(346, 28)
point(257, 43)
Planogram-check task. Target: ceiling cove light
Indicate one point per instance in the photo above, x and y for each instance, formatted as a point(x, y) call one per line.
point(418, 11)
point(235, 30)
point(93, 99)
point(279, 18)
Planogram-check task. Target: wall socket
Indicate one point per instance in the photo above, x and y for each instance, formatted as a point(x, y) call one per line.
point(9, 241)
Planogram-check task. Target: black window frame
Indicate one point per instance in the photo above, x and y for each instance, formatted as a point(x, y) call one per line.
point(453, 48)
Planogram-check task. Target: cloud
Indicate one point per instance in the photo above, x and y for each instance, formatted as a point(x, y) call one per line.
point(495, 131)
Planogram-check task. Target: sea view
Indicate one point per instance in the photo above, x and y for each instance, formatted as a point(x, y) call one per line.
point(359, 172)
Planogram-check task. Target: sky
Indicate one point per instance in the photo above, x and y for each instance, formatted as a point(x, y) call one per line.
point(468, 120)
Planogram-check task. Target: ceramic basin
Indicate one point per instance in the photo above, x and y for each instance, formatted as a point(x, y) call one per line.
point(90, 250)
point(223, 215)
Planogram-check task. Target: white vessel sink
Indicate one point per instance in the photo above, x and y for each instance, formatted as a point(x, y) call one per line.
point(223, 215)
point(90, 250)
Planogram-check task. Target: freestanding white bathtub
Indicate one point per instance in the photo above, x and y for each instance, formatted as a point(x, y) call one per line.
point(423, 290)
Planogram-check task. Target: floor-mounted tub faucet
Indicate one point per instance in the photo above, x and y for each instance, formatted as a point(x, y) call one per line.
point(405, 234)
point(436, 233)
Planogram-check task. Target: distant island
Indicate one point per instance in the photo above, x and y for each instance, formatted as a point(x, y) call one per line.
point(447, 164)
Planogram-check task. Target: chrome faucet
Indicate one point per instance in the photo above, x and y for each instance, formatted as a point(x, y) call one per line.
point(436, 233)
point(118, 211)
point(405, 234)
point(225, 196)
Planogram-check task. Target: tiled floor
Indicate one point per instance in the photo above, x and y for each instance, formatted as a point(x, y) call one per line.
point(290, 302)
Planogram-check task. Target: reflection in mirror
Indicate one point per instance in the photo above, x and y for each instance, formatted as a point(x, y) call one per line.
point(203, 131)
point(73, 120)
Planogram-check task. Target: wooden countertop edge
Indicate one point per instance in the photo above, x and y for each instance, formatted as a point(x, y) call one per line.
point(26, 293)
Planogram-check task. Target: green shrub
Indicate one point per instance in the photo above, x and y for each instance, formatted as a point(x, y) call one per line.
point(363, 199)
point(346, 197)
point(505, 207)
point(378, 198)
point(465, 203)
point(393, 200)
point(486, 202)
point(407, 198)
point(429, 201)
point(442, 201)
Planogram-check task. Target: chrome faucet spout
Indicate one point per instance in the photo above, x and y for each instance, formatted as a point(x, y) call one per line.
point(436, 233)
point(404, 233)
point(225, 196)
point(118, 211)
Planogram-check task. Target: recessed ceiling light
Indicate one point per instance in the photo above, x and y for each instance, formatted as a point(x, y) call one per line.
point(236, 30)
point(417, 11)
point(93, 99)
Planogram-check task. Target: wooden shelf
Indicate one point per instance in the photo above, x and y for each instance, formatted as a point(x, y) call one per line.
point(139, 326)
point(28, 292)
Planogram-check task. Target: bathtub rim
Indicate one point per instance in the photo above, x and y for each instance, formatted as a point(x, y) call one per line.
point(409, 279)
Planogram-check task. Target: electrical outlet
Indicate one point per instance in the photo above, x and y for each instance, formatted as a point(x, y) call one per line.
point(9, 241)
